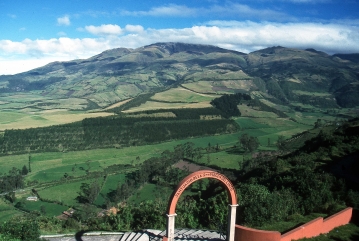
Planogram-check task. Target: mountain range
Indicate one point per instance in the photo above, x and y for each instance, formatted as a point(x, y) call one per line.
point(281, 75)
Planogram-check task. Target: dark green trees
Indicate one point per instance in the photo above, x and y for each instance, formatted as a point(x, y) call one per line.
point(24, 170)
point(249, 143)
point(22, 228)
point(228, 104)
point(281, 143)
point(11, 181)
point(89, 192)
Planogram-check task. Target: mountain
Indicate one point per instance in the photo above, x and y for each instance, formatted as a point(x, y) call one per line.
point(283, 75)
point(307, 76)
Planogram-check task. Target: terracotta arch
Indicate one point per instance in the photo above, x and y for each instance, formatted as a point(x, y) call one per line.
point(195, 176)
point(232, 198)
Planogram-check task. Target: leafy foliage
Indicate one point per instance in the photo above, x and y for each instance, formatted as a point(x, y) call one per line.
point(88, 192)
point(22, 228)
point(248, 143)
point(11, 181)
point(228, 103)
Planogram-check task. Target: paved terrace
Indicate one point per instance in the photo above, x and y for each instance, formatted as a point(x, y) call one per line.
point(143, 235)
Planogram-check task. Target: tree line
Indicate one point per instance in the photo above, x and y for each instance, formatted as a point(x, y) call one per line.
point(228, 103)
point(12, 180)
point(104, 132)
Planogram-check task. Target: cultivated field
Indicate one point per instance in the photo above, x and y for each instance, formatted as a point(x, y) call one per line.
point(23, 120)
point(319, 94)
point(31, 110)
point(65, 193)
point(154, 105)
point(50, 209)
point(247, 111)
point(182, 95)
point(200, 87)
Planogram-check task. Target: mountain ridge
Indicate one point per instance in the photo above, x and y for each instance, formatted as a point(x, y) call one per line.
point(284, 74)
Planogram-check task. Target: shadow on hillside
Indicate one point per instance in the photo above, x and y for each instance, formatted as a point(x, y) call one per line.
point(355, 220)
point(236, 151)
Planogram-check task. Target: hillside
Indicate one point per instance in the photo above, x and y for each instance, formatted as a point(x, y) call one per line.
point(281, 75)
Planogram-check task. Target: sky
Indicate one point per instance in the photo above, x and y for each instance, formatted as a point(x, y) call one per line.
point(36, 32)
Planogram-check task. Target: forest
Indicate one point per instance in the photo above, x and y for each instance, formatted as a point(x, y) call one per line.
point(119, 130)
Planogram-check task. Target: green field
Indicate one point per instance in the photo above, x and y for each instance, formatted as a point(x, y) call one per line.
point(150, 192)
point(320, 94)
point(7, 211)
point(182, 95)
point(155, 105)
point(8, 214)
point(247, 111)
point(56, 173)
point(146, 192)
point(30, 110)
point(64, 193)
point(222, 159)
point(52, 166)
point(58, 163)
point(110, 185)
point(271, 128)
point(12, 119)
point(200, 87)
point(51, 209)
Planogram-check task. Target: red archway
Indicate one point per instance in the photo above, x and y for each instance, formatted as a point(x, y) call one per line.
point(232, 198)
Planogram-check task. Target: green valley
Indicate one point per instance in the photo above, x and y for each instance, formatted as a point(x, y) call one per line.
point(121, 129)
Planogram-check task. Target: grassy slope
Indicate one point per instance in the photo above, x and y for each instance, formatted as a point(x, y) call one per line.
point(51, 209)
point(110, 185)
point(65, 193)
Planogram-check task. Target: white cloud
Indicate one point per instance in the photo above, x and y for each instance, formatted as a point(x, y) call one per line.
point(134, 28)
point(16, 66)
point(168, 10)
point(242, 10)
point(229, 9)
point(65, 20)
point(241, 36)
point(61, 47)
point(105, 29)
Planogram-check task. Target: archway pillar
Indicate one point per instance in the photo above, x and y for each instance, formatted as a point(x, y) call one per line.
point(232, 210)
point(170, 232)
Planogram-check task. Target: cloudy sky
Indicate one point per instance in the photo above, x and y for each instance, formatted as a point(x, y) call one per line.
point(36, 32)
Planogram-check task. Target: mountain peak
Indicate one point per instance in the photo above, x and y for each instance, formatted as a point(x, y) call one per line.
point(112, 53)
point(176, 47)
